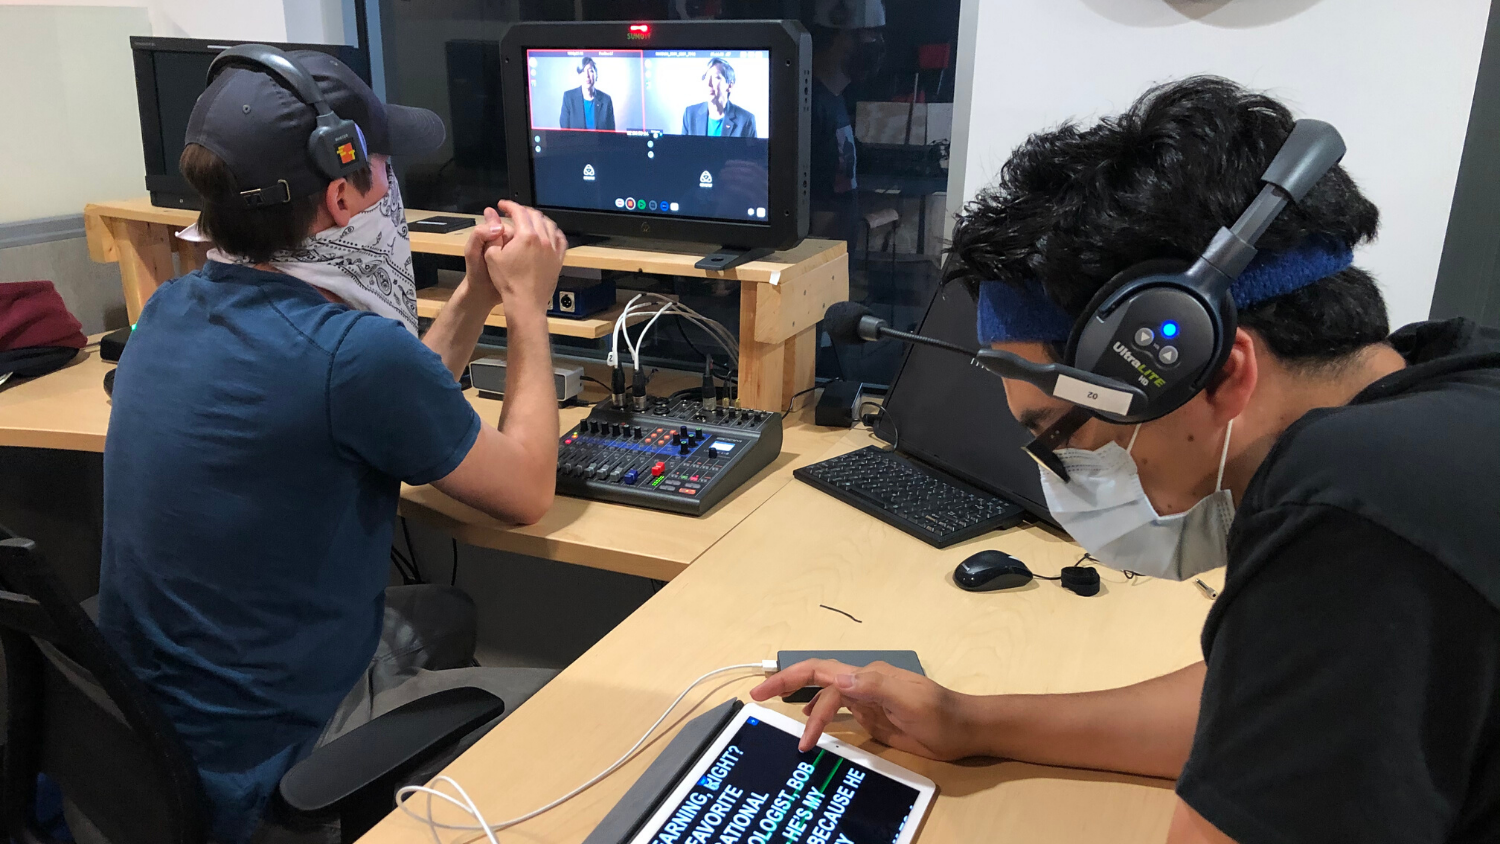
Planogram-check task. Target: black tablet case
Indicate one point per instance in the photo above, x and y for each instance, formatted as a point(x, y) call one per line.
point(645, 796)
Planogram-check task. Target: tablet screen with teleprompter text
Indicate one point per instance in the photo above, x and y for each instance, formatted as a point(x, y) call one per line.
point(752, 786)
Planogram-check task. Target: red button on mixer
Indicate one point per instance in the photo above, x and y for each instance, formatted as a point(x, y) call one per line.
point(658, 469)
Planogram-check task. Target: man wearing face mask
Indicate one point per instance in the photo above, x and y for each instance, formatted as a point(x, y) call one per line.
point(265, 414)
point(848, 45)
point(1349, 688)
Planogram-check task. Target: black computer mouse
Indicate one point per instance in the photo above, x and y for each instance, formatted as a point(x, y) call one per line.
point(988, 571)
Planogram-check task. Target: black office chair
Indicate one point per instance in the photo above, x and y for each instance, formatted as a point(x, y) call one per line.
point(80, 716)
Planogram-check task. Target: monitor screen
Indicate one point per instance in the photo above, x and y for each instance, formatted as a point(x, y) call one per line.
point(953, 415)
point(180, 78)
point(674, 133)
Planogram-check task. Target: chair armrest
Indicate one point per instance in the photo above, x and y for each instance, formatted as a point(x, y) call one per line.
point(368, 762)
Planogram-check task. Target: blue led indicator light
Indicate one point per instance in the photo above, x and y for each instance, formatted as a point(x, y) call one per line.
point(1169, 329)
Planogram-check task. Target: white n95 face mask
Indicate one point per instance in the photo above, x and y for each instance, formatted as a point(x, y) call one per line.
point(1105, 509)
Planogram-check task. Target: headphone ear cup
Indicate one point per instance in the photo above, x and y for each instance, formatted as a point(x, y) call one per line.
point(336, 147)
point(1121, 279)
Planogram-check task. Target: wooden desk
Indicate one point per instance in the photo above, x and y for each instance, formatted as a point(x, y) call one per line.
point(68, 410)
point(782, 296)
point(648, 543)
point(758, 591)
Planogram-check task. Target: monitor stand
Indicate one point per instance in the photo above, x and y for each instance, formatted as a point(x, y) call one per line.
point(575, 240)
point(727, 258)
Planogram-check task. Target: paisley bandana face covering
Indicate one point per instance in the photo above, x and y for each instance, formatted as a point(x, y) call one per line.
point(366, 263)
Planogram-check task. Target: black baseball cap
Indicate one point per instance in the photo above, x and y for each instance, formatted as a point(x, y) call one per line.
point(260, 128)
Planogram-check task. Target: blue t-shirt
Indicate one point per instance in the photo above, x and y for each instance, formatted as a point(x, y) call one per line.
point(256, 448)
point(588, 113)
point(715, 127)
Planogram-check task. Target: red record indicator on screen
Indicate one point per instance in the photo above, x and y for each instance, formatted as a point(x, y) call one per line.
point(639, 30)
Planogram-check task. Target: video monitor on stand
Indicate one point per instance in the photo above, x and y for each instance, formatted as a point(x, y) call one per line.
point(693, 131)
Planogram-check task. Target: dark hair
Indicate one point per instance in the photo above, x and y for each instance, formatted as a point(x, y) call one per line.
point(254, 233)
point(587, 62)
point(726, 70)
point(1075, 206)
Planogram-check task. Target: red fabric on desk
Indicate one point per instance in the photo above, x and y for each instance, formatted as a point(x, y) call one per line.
point(33, 314)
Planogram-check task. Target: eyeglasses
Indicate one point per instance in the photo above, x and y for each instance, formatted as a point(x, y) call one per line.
point(1043, 449)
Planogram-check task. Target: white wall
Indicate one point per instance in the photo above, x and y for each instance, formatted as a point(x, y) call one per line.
point(1395, 76)
point(71, 132)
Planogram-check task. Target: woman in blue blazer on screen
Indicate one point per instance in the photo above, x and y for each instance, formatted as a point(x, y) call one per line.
point(716, 116)
point(587, 107)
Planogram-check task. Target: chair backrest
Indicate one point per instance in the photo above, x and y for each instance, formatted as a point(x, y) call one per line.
point(80, 716)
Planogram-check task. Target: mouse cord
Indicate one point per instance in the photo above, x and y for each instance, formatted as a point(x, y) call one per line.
point(466, 804)
point(1090, 558)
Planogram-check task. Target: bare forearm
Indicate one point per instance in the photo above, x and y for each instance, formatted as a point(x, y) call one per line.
point(1146, 728)
point(456, 330)
point(529, 414)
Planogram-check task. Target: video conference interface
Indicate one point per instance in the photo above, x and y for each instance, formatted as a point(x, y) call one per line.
point(677, 133)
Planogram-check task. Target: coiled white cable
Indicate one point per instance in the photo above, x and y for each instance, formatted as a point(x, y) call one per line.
point(467, 806)
point(716, 330)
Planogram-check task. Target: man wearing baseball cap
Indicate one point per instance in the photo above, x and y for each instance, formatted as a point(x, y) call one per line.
point(267, 410)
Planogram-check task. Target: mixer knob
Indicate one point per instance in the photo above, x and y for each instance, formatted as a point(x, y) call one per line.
point(685, 448)
point(683, 431)
point(698, 434)
point(614, 429)
point(636, 432)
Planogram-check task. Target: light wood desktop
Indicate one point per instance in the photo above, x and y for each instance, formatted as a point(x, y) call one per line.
point(68, 409)
point(763, 588)
point(762, 563)
point(782, 296)
point(596, 534)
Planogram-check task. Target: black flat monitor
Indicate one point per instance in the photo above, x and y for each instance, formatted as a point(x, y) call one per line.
point(952, 415)
point(690, 130)
point(170, 73)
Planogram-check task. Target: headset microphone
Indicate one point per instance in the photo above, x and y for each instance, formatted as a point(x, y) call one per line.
point(1154, 335)
point(850, 323)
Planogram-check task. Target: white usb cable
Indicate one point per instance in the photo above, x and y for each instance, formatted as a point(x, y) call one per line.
point(635, 306)
point(467, 806)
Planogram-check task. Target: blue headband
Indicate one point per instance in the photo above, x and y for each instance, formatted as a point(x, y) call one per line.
point(1022, 312)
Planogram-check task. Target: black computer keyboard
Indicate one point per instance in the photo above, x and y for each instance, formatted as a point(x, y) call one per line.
point(909, 496)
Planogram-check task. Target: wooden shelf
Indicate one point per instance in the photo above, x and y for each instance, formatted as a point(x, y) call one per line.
point(772, 269)
point(782, 296)
point(430, 302)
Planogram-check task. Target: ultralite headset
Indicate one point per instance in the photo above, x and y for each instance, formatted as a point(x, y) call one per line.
point(1156, 333)
point(335, 146)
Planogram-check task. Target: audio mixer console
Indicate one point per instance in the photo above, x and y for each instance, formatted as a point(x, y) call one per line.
point(679, 457)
